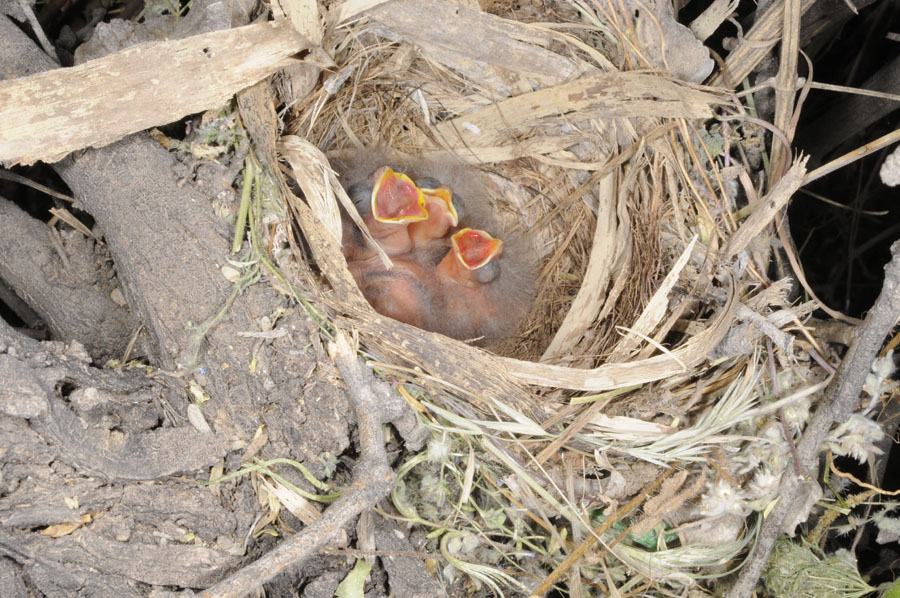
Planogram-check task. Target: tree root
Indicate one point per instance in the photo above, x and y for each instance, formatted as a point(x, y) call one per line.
point(31, 373)
point(71, 296)
point(372, 481)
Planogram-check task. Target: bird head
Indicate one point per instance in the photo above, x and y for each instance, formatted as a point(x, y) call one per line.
point(442, 197)
point(475, 248)
point(395, 198)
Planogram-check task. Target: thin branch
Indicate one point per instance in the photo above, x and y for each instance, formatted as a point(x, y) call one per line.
point(37, 29)
point(852, 156)
point(840, 400)
point(787, 74)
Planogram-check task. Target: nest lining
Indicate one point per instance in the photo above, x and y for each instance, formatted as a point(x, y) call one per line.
point(545, 202)
point(586, 189)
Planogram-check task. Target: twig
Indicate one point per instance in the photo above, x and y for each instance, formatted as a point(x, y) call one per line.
point(784, 93)
point(821, 361)
point(372, 481)
point(16, 178)
point(856, 480)
point(607, 523)
point(840, 400)
point(244, 208)
point(776, 389)
point(852, 156)
point(755, 45)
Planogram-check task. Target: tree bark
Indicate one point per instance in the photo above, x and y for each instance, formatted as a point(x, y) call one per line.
point(79, 434)
point(72, 297)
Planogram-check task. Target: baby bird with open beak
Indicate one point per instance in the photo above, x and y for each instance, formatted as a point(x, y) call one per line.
point(387, 201)
point(443, 213)
point(449, 275)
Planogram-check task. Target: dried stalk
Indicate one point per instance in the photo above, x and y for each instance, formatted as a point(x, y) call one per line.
point(840, 400)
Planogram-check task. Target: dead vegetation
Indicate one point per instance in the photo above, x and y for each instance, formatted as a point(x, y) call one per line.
point(668, 388)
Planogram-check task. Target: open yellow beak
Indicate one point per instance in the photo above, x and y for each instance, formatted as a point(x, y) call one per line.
point(446, 195)
point(395, 198)
point(475, 248)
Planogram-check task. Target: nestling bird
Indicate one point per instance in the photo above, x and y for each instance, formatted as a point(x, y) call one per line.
point(442, 213)
point(470, 262)
point(399, 293)
point(387, 202)
point(449, 275)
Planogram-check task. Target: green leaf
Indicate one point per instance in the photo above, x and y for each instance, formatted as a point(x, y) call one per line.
point(352, 586)
point(893, 591)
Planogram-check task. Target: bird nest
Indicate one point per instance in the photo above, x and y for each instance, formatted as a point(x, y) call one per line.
point(642, 352)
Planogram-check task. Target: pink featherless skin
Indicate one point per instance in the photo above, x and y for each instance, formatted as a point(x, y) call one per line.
point(486, 304)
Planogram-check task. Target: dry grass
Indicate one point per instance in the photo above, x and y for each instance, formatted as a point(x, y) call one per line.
point(625, 440)
point(645, 348)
